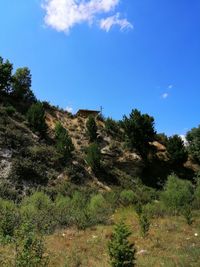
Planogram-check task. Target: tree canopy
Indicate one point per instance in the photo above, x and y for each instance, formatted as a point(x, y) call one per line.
point(176, 149)
point(193, 138)
point(139, 129)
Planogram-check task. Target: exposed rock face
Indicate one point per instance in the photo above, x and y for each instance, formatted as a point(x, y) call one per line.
point(5, 163)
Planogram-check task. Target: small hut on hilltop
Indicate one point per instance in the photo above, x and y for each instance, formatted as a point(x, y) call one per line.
point(86, 113)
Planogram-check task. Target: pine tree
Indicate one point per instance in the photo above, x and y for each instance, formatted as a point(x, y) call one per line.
point(91, 128)
point(93, 157)
point(122, 253)
point(36, 118)
point(64, 143)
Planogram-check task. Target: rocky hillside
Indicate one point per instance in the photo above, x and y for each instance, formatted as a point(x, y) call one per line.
point(28, 161)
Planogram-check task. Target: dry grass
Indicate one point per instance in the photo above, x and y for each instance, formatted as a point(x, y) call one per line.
point(171, 242)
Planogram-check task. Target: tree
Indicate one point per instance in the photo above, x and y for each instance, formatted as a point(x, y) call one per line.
point(193, 138)
point(122, 253)
point(21, 85)
point(112, 127)
point(5, 76)
point(64, 143)
point(139, 129)
point(36, 118)
point(93, 157)
point(176, 149)
point(91, 128)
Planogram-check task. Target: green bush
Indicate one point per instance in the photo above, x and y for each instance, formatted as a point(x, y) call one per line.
point(10, 110)
point(127, 197)
point(99, 209)
point(30, 249)
point(9, 218)
point(155, 209)
point(144, 224)
point(80, 215)
point(63, 210)
point(38, 210)
point(187, 213)
point(177, 194)
point(121, 252)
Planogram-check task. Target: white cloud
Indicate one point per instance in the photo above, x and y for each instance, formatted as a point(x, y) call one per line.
point(183, 137)
point(170, 86)
point(63, 15)
point(165, 95)
point(69, 109)
point(107, 23)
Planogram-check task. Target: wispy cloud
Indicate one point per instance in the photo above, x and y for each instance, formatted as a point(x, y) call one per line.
point(170, 86)
point(165, 95)
point(69, 109)
point(63, 15)
point(107, 23)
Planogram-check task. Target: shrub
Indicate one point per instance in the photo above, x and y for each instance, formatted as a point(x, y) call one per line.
point(155, 209)
point(99, 209)
point(79, 213)
point(10, 110)
point(9, 218)
point(197, 196)
point(36, 118)
point(30, 249)
point(38, 210)
point(121, 252)
point(93, 157)
point(187, 213)
point(177, 194)
point(91, 128)
point(127, 197)
point(63, 210)
point(144, 224)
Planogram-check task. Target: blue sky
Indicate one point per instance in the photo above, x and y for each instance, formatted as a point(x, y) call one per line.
point(121, 55)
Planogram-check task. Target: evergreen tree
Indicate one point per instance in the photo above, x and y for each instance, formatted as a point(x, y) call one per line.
point(193, 138)
point(122, 253)
point(21, 85)
point(139, 129)
point(176, 149)
point(93, 157)
point(91, 128)
point(36, 118)
point(5, 76)
point(64, 143)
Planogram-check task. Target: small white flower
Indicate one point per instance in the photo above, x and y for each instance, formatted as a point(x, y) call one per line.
point(195, 234)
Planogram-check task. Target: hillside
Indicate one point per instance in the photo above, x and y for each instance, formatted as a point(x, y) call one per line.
point(21, 146)
point(69, 184)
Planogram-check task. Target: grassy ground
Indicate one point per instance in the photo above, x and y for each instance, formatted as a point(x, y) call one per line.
point(171, 242)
